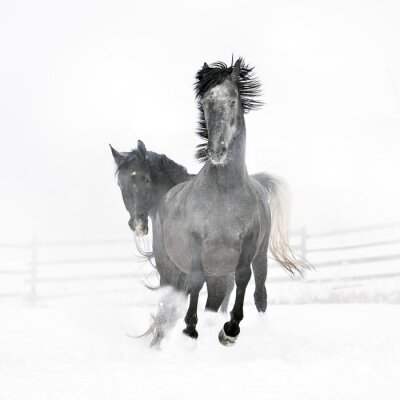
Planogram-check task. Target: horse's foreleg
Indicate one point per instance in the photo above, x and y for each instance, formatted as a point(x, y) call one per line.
point(219, 292)
point(196, 281)
point(181, 285)
point(231, 329)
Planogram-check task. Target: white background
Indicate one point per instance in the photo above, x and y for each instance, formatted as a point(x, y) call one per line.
point(77, 75)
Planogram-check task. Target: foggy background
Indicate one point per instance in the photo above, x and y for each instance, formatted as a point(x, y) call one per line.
point(77, 75)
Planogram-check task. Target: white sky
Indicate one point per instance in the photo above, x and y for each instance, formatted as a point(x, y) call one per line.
point(77, 75)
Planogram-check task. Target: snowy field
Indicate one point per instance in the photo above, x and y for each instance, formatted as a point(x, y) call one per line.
point(293, 352)
point(333, 334)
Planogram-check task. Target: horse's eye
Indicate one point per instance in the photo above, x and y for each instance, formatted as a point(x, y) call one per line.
point(147, 180)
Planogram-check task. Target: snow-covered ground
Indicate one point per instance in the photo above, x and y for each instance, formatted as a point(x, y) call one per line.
point(346, 351)
point(332, 335)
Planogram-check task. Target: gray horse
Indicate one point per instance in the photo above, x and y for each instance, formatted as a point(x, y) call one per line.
point(219, 222)
point(144, 177)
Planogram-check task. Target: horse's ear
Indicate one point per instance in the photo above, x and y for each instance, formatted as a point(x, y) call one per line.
point(236, 69)
point(142, 149)
point(118, 157)
point(199, 75)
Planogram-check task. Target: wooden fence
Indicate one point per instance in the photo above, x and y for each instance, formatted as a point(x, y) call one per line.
point(323, 249)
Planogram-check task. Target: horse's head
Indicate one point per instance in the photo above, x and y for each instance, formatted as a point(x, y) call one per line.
point(224, 94)
point(134, 180)
point(222, 111)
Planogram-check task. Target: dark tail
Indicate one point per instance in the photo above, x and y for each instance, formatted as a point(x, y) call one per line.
point(279, 236)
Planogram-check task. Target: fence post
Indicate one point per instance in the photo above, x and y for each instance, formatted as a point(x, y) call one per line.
point(303, 244)
point(32, 292)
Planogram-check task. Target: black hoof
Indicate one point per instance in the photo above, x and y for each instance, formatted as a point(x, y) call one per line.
point(191, 332)
point(225, 339)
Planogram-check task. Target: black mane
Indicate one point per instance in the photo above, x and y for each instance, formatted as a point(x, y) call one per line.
point(163, 164)
point(249, 90)
point(159, 164)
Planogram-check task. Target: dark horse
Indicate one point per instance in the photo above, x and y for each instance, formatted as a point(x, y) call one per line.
point(144, 177)
point(219, 222)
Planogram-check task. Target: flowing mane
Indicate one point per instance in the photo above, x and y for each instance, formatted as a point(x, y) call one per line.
point(249, 90)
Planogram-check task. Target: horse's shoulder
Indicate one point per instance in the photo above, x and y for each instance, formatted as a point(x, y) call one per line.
point(172, 194)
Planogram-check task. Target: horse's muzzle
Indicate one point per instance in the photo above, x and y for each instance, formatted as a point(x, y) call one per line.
point(139, 227)
point(217, 157)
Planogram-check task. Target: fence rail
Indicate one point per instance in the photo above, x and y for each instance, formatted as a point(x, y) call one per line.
point(302, 242)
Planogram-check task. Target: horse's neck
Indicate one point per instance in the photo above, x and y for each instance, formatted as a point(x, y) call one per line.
point(166, 173)
point(234, 172)
point(161, 185)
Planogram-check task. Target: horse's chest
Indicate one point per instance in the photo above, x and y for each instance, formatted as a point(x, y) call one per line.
point(222, 229)
point(223, 220)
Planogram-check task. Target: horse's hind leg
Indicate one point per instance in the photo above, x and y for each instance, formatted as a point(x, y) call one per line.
point(231, 329)
point(260, 267)
point(196, 282)
point(217, 292)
